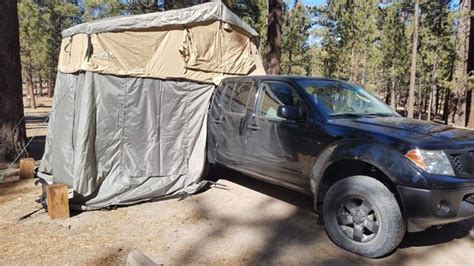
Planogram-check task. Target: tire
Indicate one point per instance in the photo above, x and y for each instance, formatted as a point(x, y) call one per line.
point(362, 216)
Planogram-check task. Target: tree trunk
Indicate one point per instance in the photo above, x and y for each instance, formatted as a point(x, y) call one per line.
point(290, 62)
point(419, 105)
point(411, 91)
point(40, 81)
point(470, 69)
point(11, 103)
point(364, 69)
point(447, 98)
point(392, 89)
point(50, 88)
point(470, 109)
point(433, 85)
point(441, 102)
point(352, 77)
point(34, 83)
point(437, 101)
point(462, 44)
point(30, 91)
point(424, 105)
point(275, 10)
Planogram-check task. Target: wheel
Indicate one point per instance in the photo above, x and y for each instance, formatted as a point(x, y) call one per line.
point(362, 216)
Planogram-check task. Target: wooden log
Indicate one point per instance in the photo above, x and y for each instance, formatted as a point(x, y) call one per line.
point(27, 168)
point(57, 201)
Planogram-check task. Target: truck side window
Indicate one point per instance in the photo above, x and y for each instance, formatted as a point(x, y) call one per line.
point(240, 96)
point(227, 94)
point(274, 95)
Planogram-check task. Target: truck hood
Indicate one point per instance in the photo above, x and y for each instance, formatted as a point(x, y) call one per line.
point(421, 133)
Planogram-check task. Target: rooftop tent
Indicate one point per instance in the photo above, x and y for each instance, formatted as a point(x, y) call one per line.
point(202, 43)
point(129, 114)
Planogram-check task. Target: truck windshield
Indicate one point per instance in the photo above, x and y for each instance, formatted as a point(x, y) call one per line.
point(341, 99)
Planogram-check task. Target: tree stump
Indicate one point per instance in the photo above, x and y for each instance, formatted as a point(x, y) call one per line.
point(57, 201)
point(27, 168)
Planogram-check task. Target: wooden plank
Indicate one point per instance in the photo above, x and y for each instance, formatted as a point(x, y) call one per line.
point(137, 258)
point(27, 168)
point(57, 200)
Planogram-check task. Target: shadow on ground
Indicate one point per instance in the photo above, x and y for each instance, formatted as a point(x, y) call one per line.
point(435, 236)
point(298, 228)
point(301, 228)
point(289, 196)
point(36, 147)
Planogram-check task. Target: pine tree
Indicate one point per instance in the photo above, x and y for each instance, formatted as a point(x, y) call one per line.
point(470, 69)
point(97, 9)
point(435, 49)
point(33, 45)
point(350, 39)
point(275, 11)
point(12, 131)
point(58, 15)
point(458, 95)
point(394, 52)
point(411, 91)
point(295, 57)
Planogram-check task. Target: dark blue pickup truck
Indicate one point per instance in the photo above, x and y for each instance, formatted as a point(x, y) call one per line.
point(374, 174)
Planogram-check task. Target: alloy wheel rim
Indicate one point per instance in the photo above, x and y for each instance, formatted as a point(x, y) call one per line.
point(358, 219)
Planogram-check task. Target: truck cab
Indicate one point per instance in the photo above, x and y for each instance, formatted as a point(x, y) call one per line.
point(374, 175)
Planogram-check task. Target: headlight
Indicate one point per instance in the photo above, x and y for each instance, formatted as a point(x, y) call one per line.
point(434, 162)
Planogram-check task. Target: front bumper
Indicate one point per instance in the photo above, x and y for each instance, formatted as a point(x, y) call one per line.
point(424, 208)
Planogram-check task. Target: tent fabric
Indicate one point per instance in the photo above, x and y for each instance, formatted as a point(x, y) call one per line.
point(204, 53)
point(118, 140)
point(129, 116)
point(211, 11)
point(203, 43)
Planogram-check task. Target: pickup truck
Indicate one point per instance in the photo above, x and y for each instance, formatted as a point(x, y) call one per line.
point(374, 175)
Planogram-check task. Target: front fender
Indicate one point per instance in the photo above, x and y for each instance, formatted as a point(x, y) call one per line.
point(388, 160)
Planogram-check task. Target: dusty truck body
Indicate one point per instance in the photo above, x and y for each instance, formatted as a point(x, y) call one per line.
point(373, 173)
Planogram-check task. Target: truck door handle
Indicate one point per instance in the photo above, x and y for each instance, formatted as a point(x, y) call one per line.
point(218, 121)
point(253, 127)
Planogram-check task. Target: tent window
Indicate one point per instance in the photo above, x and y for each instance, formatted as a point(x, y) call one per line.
point(240, 96)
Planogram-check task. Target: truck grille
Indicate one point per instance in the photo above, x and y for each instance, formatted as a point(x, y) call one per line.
point(463, 163)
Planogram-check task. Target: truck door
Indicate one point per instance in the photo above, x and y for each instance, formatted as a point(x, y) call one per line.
point(275, 147)
point(227, 121)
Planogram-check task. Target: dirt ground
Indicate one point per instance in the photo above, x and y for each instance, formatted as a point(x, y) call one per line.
point(248, 223)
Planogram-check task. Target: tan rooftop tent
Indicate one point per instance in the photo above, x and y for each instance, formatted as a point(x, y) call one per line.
point(129, 115)
point(200, 43)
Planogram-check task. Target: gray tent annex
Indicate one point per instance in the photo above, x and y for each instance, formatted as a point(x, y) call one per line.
point(129, 113)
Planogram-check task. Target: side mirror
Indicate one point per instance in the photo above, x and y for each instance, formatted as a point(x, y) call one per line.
point(289, 112)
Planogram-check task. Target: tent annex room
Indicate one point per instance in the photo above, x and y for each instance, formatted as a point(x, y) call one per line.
point(129, 117)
